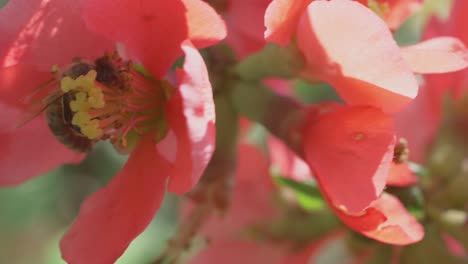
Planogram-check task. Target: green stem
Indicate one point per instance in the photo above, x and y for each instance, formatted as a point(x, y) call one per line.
point(282, 116)
point(272, 61)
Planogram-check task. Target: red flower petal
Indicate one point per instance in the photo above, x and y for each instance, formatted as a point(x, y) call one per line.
point(437, 55)
point(18, 83)
point(113, 216)
point(44, 33)
point(22, 153)
point(351, 48)
point(205, 26)
point(401, 175)
point(459, 20)
point(350, 150)
point(281, 19)
point(251, 201)
point(251, 204)
point(426, 110)
point(191, 116)
point(28, 151)
point(386, 221)
point(151, 30)
point(333, 248)
point(234, 252)
point(245, 25)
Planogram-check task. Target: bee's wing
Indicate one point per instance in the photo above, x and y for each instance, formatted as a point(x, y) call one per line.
point(35, 108)
point(39, 92)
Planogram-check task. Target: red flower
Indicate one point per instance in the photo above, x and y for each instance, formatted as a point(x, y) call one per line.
point(251, 204)
point(169, 130)
point(350, 47)
point(427, 108)
point(244, 21)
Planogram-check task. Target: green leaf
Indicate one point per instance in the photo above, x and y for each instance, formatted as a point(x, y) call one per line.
point(3, 3)
point(308, 196)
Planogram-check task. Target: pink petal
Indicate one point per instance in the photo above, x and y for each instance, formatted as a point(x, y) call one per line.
point(351, 48)
point(191, 116)
point(398, 10)
point(350, 151)
point(113, 216)
point(252, 197)
point(386, 221)
point(234, 252)
point(437, 55)
point(28, 151)
point(245, 25)
point(151, 30)
point(333, 248)
point(205, 26)
point(401, 175)
point(426, 110)
point(286, 161)
point(454, 246)
point(282, 18)
point(45, 33)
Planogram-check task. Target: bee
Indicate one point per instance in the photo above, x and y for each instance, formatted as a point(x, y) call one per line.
point(59, 118)
point(56, 103)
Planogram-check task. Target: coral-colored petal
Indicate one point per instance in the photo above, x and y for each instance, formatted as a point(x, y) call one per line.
point(205, 26)
point(113, 216)
point(19, 82)
point(28, 151)
point(350, 152)
point(387, 221)
point(191, 116)
point(151, 30)
point(437, 55)
point(350, 47)
point(45, 33)
point(246, 27)
point(401, 175)
point(281, 19)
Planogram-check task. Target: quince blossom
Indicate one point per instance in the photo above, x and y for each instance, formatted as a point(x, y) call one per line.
point(350, 47)
point(36, 35)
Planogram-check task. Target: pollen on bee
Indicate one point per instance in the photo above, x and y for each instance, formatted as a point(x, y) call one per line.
point(91, 129)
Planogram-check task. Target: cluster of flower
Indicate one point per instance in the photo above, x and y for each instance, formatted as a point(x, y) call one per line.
point(75, 72)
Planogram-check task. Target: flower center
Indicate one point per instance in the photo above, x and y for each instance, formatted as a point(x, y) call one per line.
point(106, 100)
